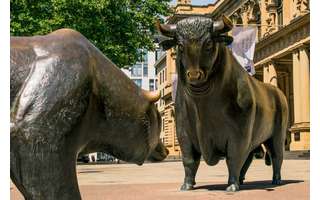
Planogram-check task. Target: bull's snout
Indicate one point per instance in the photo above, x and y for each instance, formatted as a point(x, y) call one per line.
point(195, 75)
point(159, 153)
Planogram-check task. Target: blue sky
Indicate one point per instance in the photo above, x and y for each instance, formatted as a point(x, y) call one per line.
point(197, 2)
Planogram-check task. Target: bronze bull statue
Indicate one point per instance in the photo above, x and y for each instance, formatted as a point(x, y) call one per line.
point(221, 111)
point(67, 97)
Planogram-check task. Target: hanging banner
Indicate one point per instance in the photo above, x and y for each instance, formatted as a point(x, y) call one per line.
point(244, 41)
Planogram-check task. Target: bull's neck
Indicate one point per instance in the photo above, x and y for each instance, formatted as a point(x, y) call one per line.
point(226, 70)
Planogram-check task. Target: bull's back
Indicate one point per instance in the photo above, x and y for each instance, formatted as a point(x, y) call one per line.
point(25, 52)
point(21, 60)
point(50, 85)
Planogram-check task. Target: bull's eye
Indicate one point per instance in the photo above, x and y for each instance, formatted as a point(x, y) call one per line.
point(209, 45)
point(180, 47)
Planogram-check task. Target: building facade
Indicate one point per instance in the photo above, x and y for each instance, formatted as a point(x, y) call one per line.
point(143, 72)
point(282, 55)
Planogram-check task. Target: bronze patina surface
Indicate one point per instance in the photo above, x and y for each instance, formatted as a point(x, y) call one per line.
point(67, 97)
point(221, 111)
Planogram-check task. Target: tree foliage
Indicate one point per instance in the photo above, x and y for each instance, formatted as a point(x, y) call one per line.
point(119, 28)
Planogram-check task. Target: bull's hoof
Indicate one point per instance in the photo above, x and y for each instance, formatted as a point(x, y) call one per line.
point(233, 188)
point(241, 181)
point(186, 187)
point(276, 182)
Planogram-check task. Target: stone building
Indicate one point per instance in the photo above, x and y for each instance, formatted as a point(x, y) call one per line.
point(281, 58)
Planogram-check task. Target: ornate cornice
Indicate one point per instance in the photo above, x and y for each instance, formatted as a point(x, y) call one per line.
point(297, 30)
point(228, 7)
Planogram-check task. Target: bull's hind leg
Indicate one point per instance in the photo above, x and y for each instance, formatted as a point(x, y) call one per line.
point(245, 168)
point(275, 147)
point(256, 152)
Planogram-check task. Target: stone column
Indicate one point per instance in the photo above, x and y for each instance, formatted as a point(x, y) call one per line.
point(305, 83)
point(270, 74)
point(301, 98)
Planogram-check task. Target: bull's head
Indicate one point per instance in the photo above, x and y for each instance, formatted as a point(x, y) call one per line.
point(198, 40)
point(132, 126)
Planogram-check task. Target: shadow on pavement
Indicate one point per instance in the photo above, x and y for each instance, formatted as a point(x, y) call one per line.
point(89, 171)
point(253, 185)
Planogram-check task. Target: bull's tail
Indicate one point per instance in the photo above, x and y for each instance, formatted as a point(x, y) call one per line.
point(261, 152)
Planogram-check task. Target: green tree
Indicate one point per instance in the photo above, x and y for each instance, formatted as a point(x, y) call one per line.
point(119, 28)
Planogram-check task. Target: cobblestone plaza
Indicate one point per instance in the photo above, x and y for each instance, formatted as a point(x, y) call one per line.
point(159, 181)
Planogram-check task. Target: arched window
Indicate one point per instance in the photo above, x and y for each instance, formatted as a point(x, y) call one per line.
point(236, 18)
point(280, 13)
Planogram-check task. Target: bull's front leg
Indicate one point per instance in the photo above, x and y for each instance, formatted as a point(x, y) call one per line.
point(190, 156)
point(191, 160)
point(236, 157)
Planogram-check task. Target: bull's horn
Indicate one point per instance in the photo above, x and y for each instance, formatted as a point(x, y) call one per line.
point(151, 96)
point(168, 30)
point(222, 26)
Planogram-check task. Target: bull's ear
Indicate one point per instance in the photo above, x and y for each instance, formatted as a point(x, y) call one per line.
point(168, 44)
point(228, 25)
point(168, 30)
point(165, 42)
point(223, 25)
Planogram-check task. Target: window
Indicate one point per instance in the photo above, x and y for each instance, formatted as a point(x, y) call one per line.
point(297, 136)
point(163, 124)
point(159, 53)
point(160, 77)
point(138, 82)
point(144, 57)
point(156, 84)
point(145, 70)
point(165, 74)
point(136, 70)
point(151, 84)
point(156, 56)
